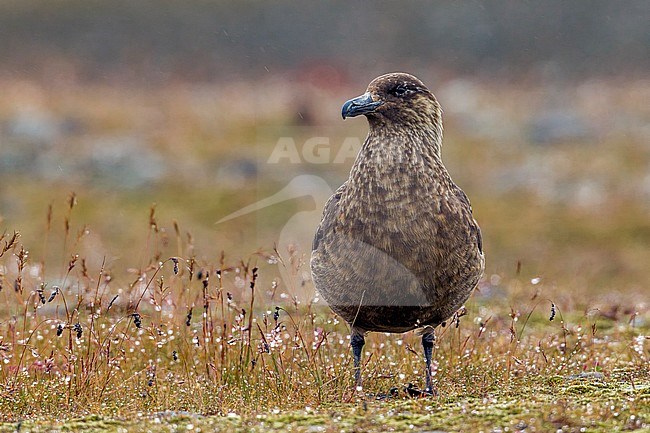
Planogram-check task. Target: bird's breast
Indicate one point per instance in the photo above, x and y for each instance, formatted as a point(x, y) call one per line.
point(397, 199)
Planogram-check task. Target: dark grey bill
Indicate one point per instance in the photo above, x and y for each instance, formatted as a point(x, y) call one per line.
point(360, 105)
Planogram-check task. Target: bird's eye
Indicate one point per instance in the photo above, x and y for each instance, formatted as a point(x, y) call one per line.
point(399, 91)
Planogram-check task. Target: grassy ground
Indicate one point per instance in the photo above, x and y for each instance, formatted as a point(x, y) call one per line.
point(220, 346)
point(115, 317)
point(161, 364)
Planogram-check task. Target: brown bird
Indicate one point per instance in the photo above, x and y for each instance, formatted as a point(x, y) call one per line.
point(397, 248)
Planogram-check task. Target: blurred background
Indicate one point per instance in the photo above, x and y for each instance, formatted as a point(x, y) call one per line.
point(207, 107)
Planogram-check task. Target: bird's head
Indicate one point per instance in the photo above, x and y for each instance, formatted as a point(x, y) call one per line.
point(395, 98)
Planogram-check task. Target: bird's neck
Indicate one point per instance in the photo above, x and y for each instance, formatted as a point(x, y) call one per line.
point(396, 166)
point(389, 144)
point(397, 159)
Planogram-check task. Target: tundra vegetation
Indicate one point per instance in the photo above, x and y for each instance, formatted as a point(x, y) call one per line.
point(123, 307)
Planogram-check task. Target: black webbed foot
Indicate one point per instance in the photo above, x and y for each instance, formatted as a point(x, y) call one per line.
point(414, 392)
point(392, 393)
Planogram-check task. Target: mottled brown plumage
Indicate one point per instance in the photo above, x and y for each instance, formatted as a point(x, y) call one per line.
point(397, 248)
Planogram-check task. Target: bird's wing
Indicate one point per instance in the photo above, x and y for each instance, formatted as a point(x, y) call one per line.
point(474, 228)
point(329, 213)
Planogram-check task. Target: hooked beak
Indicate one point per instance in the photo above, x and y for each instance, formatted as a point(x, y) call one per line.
point(360, 105)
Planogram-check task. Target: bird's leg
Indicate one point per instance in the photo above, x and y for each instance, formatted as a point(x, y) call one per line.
point(428, 338)
point(357, 341)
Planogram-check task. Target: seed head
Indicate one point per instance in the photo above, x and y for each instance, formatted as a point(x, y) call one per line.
point(78, 329)
point(53, 294)
point(137, 319)
point(110, 304)
point(39, 291)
